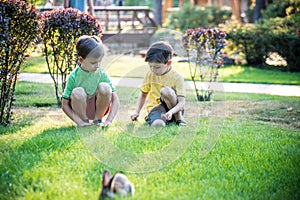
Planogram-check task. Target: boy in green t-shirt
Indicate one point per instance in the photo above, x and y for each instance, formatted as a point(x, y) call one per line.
point(89, 93)
point(164, 86)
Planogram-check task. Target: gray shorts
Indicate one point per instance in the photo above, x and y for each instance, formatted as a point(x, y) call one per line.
point(156, 112)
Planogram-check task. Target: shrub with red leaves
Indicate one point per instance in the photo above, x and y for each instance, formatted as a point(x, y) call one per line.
point(60, 29)
point(204, 48)
point(18, 31)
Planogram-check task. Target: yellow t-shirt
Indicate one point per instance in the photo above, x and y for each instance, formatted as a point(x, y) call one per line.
point(152, 84)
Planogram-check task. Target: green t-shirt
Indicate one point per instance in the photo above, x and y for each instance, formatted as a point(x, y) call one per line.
point(87, 80)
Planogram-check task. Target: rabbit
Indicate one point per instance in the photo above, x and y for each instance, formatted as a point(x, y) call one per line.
point(118, 184)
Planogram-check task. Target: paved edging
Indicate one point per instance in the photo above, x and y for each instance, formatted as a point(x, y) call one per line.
point(272, 89)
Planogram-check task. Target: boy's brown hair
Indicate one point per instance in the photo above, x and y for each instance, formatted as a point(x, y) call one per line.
point(89, 46)
point(160, 52)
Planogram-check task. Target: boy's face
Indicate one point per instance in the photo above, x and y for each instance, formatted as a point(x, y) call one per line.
point(159, 68)
point(90, 64)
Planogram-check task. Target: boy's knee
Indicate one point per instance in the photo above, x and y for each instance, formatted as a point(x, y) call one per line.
point(158, 122)
point(104, 89)
point(167, 92)
point(78, 93)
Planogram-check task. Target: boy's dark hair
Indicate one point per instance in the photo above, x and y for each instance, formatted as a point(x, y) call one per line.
point(160, 52)
point(89, 46)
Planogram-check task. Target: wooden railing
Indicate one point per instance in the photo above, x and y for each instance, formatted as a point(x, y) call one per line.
point(42, 8)
point(118, 18)
point(128, 24)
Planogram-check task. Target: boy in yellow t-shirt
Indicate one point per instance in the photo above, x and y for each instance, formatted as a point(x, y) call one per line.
point(164, 86)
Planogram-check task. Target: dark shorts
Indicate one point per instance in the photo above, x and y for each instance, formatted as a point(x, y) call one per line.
point(156, 112)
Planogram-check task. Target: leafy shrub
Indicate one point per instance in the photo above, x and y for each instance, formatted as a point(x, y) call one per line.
point(18, 31)
point(258, 41)
point(60, 29)
point(284, 39)
point(277, 32)
point(281, 8)
point(204, 48)
point(249, 41)
point(196, 16)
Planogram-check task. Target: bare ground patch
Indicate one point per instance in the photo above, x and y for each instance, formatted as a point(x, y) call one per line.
point(275, 112)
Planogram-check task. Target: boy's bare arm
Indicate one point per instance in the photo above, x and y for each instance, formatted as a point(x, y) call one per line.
point(141, 101)
point(71, 114)
point(178, 107)
point(115, 104)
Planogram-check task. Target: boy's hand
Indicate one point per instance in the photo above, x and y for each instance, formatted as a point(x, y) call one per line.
point(167, 116)
point(105, 124)
point(134, 116)
point(83, 124)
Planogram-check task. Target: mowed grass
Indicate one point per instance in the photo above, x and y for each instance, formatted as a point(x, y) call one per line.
point(247, 152)
point(242, 74)
point(36, 63)
point(135, 66)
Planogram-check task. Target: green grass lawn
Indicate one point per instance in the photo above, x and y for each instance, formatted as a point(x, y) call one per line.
point(36, 64)
point(134, 66)
point(239, 146)
point(242, 74)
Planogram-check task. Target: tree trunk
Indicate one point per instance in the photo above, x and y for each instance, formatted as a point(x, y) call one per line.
point(201, 2)
point(220, 3)
point(259, 6)
point(236, 10)
point(166, 5)
point(181, 3)
point(158, 11)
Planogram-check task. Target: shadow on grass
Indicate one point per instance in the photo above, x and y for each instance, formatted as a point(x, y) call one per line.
point(21, 121)
point(24, 117)
point(16, 160)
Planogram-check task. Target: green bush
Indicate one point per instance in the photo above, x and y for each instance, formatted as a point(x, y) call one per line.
point(285, 38)
point(246, 39)
point(18, 31)
point(258, 41)
point(196, 16)
point(60, 29)
point(282, 9)
point(277, 32)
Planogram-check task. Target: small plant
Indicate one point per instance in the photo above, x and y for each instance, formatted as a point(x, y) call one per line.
point(18, 31)
point(204, 51)
point(60, 29)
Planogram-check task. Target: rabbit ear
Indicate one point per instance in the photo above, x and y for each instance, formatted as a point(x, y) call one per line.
point(105, 178)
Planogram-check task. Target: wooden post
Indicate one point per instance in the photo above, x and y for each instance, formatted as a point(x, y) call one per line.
point(134, 16)
point(119, 21)
point(236, 10)
point(204, 2)
point(201, 2)
point(166, 4)
point(181, 3)
point(91, 7)
point(106, 20)
point(220, 3)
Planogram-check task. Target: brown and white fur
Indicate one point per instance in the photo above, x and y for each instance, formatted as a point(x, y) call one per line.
point(118, 184)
